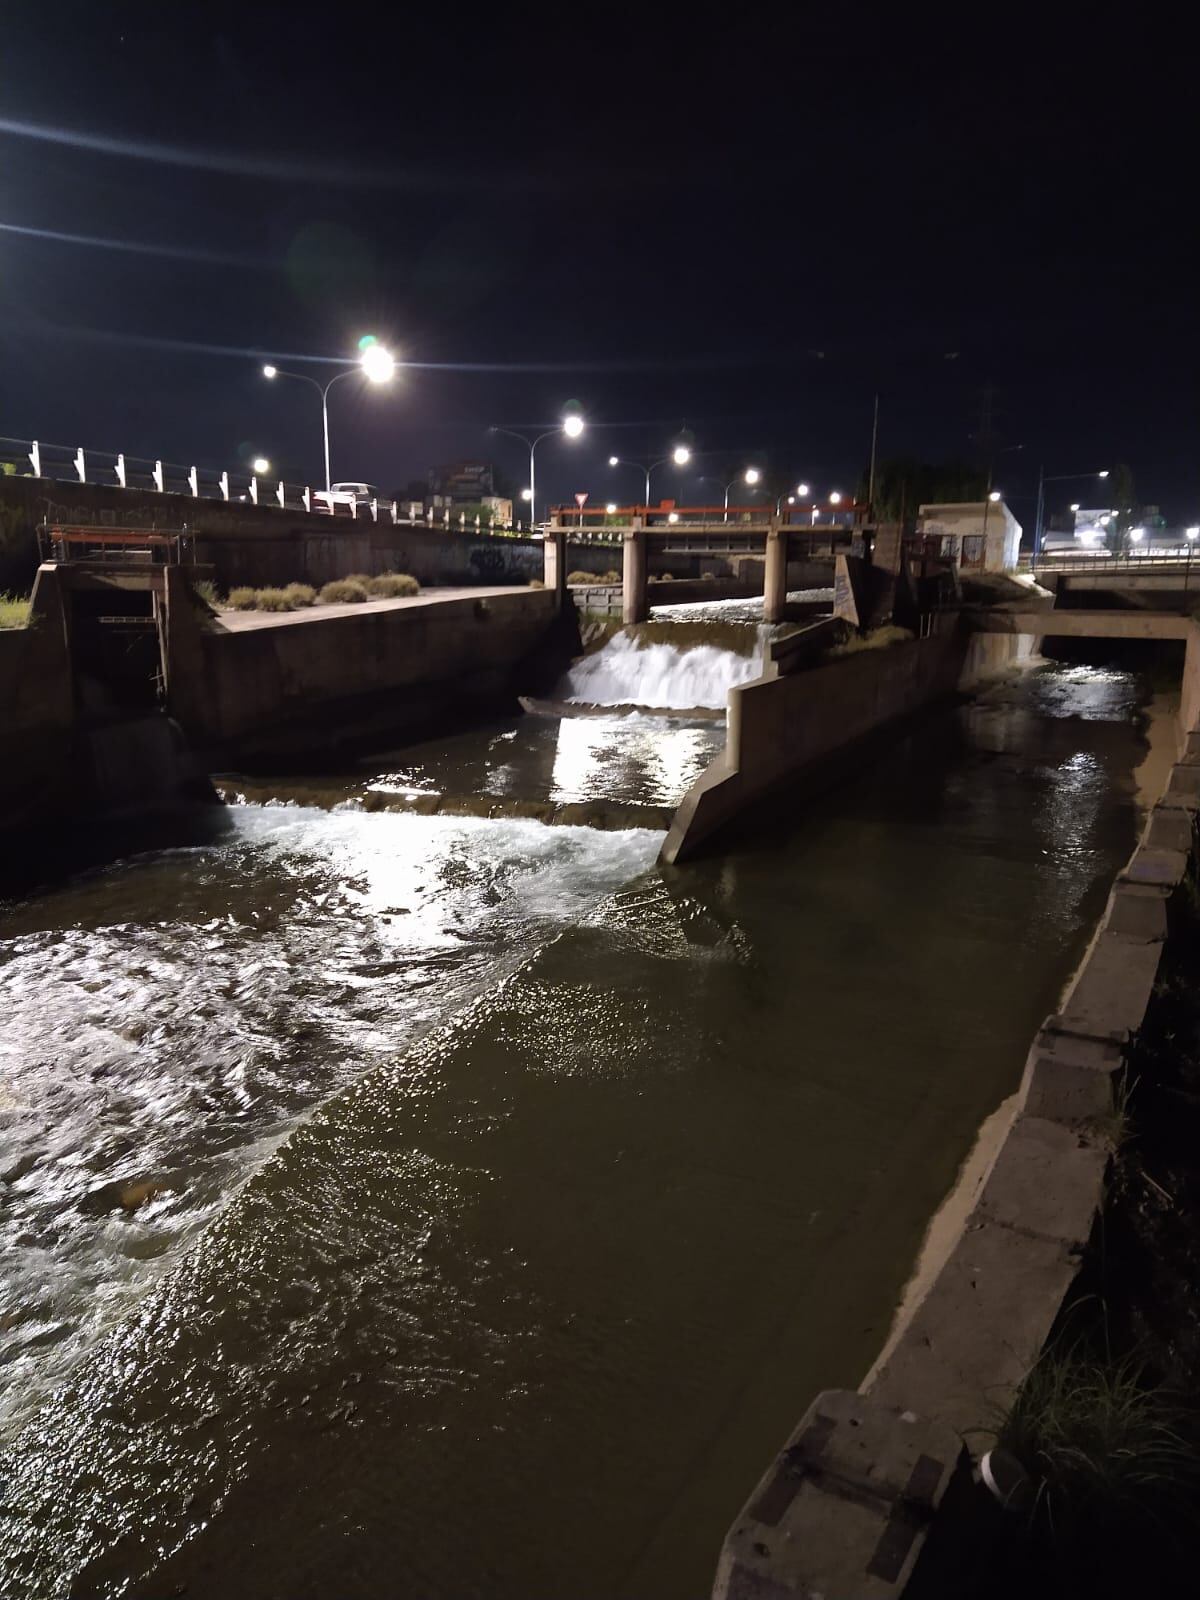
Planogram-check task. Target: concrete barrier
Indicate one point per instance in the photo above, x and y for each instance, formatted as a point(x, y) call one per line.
point(957, 1355)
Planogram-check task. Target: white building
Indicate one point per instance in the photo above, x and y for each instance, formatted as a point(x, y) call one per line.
point(981, 535)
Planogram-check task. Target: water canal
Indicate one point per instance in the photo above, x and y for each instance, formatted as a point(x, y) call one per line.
point(495, 1200)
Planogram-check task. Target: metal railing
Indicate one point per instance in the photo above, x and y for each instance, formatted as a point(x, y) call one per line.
point(60, 463)
point(1181, 557)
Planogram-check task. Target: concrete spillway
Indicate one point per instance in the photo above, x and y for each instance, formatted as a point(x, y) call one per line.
point(633, 669)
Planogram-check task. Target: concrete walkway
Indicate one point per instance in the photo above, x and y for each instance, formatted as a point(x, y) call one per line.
point(245, 621)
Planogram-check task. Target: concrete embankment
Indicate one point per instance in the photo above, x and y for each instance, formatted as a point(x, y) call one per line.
point(992, 1283)
point(786, 727)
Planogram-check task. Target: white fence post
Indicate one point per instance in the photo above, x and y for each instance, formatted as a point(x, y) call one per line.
point(35, 456)
point(307, 498)
point(279, 495)
point(119, 469)
point(395, 514)
point(374, 509)
point(194, 483)
point(159, 477)
point(80, 468)
point(254, 489)
point(225, 486)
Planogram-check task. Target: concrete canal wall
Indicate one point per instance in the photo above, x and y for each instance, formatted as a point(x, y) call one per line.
point(784, 729)
point(989, 1294)
point(306, 683)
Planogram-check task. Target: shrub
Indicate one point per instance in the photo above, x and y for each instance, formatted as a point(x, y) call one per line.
point(665, 577)
point(363, 579)
point(536, 583)
point(206, 590)
point(301, 594)
point(612, 577)
point(343, 591)
point(14, 612)
point(393, 586)
point(582, 577)
point(242, 599)
point(273, 600)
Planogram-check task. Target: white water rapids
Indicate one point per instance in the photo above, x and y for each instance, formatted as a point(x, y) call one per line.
point(627, 672)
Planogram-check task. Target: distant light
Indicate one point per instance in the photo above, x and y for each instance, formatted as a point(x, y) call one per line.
point(614, 461)
point(994, 497)
point(672, 516)
point(803, 490)
point(1137, 534)
point(835, 498)
point(572, 426)
point(377, 364)
point(1103, 474)
point(1192, 533)
point(526, 494)
point(260, 465)
point(752, 474)
point(791, 499)
point(269, 371)
point(611, 508)
point(681, 455)
point(1104, 521)
point(1075, 507)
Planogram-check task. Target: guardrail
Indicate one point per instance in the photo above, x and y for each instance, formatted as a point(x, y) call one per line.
point(1184, 556)
point(60, 463)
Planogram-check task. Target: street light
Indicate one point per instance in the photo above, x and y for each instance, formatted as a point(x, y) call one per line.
point(261, 466)
point(680, 456)
point(572, 426)
point(1043, 480)
point(750, 476)
point(611, 508)
point(995, 497)
point(802, 491)
point(375, 363)
point(835, 498)
point(1192, 533)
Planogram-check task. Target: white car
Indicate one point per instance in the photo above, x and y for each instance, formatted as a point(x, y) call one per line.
point(351, 495)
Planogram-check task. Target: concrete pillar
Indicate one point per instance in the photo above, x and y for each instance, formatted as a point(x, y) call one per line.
point(554, 564)
point(775, 575)
point(633, 577)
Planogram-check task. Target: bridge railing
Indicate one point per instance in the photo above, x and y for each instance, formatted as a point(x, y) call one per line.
point(115, 469)
point(1184, 555)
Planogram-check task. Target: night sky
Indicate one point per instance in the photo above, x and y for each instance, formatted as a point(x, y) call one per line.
point(743, 223)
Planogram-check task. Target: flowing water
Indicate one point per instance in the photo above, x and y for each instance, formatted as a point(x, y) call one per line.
point(633, 669)
point(494, 1200)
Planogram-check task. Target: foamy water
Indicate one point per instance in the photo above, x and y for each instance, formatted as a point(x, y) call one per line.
point(626, 672)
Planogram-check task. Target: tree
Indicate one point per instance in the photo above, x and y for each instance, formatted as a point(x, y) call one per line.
point(1123, 508)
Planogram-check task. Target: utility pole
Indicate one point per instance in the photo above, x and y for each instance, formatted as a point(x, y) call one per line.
point(874, 443)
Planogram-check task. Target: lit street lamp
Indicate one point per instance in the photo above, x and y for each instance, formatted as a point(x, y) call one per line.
point(261, 466)
point(680, 456)
point(750, 476)
point(1043, 480)
point(375, 364)
point(571, 425)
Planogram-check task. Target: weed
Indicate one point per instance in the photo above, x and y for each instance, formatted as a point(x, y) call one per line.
point(393, 586)
point(206, 590)
point(343, 591)
point(14, 612)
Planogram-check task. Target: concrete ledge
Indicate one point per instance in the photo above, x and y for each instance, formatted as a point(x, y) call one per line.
point(843, 1512)
point(1069, 1078)
point(980, 1328)
point(1046, 1181)
point(1163, 867)
point(1169, 829)
point(1109, 997)
point(1137, 912)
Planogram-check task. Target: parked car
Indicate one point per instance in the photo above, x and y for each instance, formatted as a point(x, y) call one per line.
point(348, 495)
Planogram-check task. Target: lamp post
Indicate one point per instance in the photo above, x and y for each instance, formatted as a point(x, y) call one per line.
point(750, 476)
point(680, 456)
point(802, 492)
point(1043, 480)
point(375, 364)
point(571, 426)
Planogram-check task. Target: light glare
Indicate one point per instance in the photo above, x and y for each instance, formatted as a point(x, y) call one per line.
point(269, 371)
point(573, 427)
point(752, 474)
point(377, 363)
point(681, 455)
point(261, 465)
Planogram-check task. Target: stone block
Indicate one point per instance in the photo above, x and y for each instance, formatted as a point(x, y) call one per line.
point(844, 1510)
point(1047, 1180)
point(1183, 787)
point(1169, 829)
point(1162, 867)
point(1138, 912)
point(1112, 991)
point(1067, 1086)
point(979, 1329)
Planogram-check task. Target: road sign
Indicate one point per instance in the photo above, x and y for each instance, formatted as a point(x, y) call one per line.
point(581, 500)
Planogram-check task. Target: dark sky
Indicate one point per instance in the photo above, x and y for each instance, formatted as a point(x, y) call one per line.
point(741, 221)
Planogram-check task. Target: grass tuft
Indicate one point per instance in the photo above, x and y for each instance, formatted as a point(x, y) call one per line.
point(877, 639)
point(273, 600)
point(14, 612)
point(393, 586)
point(242, 599)
point(301, 595)
point(343, 591)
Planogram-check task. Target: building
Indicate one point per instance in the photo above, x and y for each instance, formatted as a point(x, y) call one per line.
point(981, 535)
point(462, 483)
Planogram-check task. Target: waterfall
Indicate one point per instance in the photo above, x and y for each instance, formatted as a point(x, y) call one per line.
point(628, 671)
